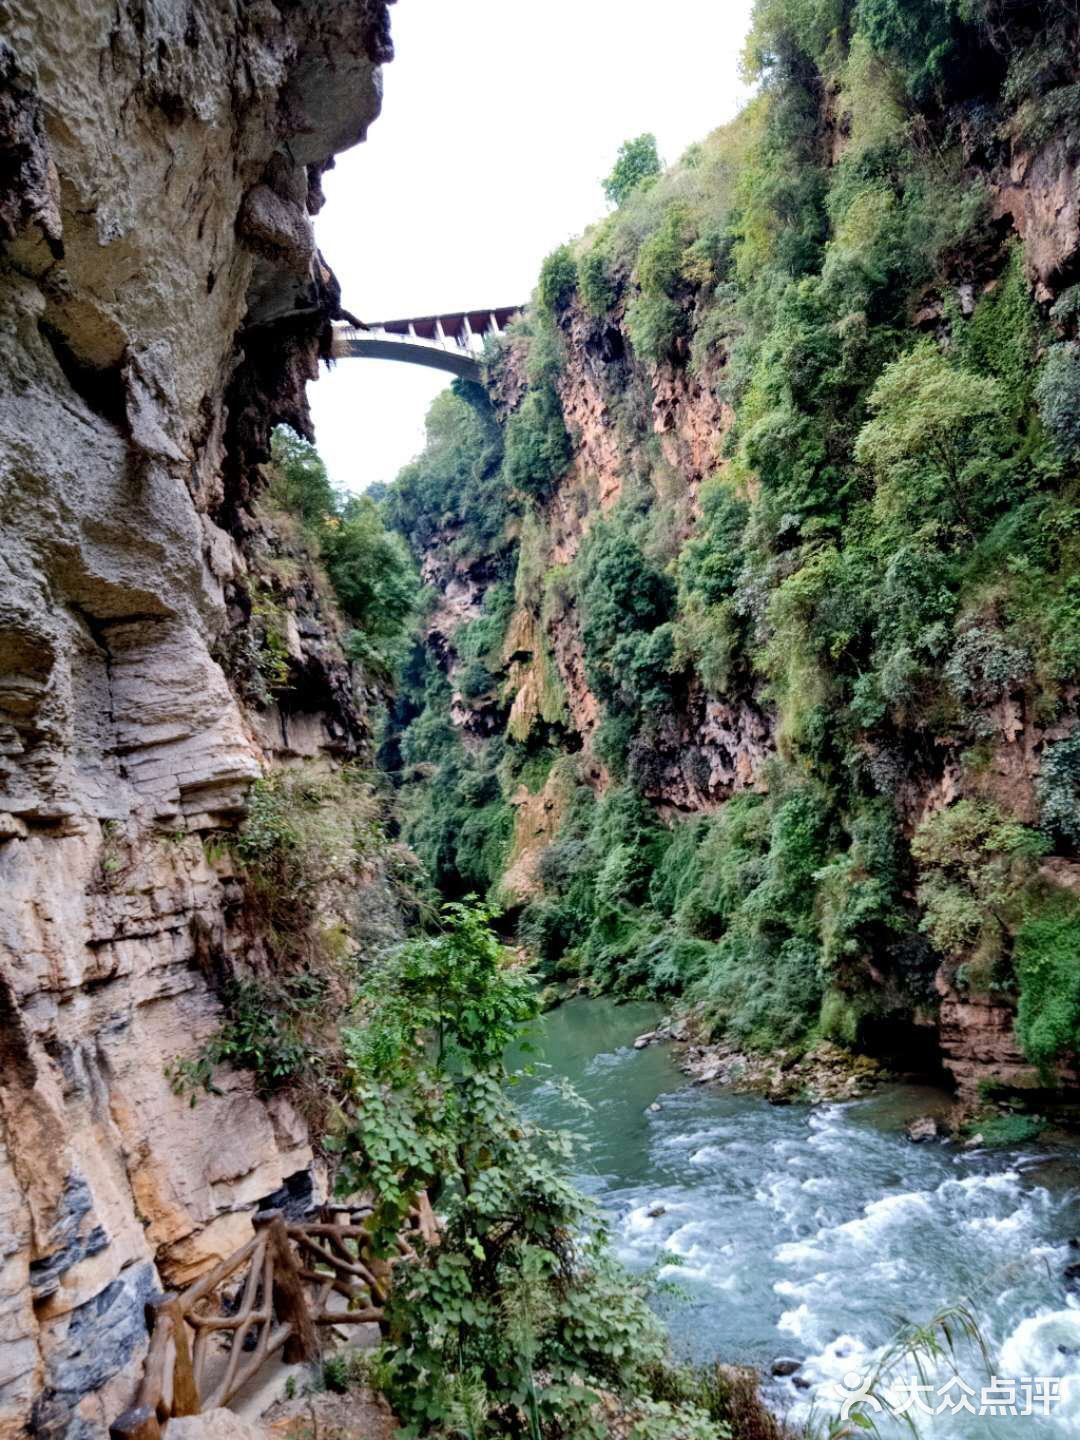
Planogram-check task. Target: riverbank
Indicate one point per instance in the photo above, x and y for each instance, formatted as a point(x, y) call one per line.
point(825, 1073)
point(828, 1073)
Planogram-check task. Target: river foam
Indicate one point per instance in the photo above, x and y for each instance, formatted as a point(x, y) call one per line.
point(814, 1233)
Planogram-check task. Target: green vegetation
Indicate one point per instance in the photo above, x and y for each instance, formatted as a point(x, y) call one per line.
point(537, 444)
point(932, 444)
point(558, 280)
point(1046, 965)
point(594, 281)
point(1008, 1130)
point(326, 891)
point(1059, 789)
point(637, 162)
point(518, 1319)
point(456, 485)
point(973, 865)
point(462, 826)
point(626, 603)
point(369, 567)
point(880, 581)
point(764, 738)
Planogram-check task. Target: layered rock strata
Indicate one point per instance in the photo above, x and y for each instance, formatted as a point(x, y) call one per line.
point(162, 303)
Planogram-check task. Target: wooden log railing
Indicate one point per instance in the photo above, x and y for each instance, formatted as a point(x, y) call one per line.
point(208, 1342)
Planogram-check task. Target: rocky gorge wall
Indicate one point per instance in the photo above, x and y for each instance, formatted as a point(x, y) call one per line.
point(163, 306)
point(700, 591)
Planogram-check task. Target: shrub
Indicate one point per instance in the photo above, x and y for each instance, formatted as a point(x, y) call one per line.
point(595, 282)
point(984, 665)
point(710, 563)
point(764, 996)
point(302, 832)
point(637, 162)
point(933, 442)
point(918, 34)
point(655, 325)
point(305, 854)
point(660, 259)
point(456, 481)
point(454, 813)
point(1004, 1130)
point(558, 280)
point(621, 594)
point(368, 566)
point(1057, 393)
point(538, 449)
point(1046, 950)
point(475, 680)
point(859, 893)
point(375, 583)
point(1062, 616)
point(641, 669)
point(612, 740)
point(999, 339)
point(482, 639)
point(1059, 789)
point(974, 863)
point(299, 482)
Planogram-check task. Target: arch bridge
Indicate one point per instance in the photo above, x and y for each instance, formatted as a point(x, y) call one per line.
point(452, 342)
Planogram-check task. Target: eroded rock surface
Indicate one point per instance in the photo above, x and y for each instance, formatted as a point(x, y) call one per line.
point(162, 304)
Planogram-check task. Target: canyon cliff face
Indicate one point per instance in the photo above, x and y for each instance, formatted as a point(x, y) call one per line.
point(700, 594)
point(163, 306)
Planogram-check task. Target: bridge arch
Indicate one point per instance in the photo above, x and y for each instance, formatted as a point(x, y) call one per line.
point(452, 342)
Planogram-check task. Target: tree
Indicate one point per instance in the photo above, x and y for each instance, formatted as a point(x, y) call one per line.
point(300, 483)
point(368, 566)
point(373, 578)
point(622, 595)
point(918, 34)
point(454, 483)
point(637, 161)
point(538, 448)
point(558, 279)
point(515, 1319)
point(936, 441)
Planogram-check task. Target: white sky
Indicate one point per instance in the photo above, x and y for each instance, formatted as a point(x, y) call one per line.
point(500, 119)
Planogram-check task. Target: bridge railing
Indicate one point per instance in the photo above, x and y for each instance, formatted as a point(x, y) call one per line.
point(461, 334)
point(269, 1296)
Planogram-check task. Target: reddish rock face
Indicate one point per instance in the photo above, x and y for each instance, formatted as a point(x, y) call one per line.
point(693, 425)
point(1041, 197)
point(978, 1042)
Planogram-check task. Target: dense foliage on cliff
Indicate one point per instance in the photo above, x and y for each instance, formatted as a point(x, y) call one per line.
point(368, 568)
point(885, 561)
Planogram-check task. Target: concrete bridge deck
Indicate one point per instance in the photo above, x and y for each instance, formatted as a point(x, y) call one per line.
point(452, 342)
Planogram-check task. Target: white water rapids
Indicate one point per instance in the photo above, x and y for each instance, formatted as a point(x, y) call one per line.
point(813, 1233)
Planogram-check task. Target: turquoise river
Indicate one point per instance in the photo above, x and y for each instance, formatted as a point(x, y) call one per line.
point(810, 1234)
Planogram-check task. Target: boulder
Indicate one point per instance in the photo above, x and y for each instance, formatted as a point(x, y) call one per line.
point(922, 1129)
point(785, 1365)
point(214, 1425)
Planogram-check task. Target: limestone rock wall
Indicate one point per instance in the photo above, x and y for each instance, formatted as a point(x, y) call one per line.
point(162, 304)
point(653, 434)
